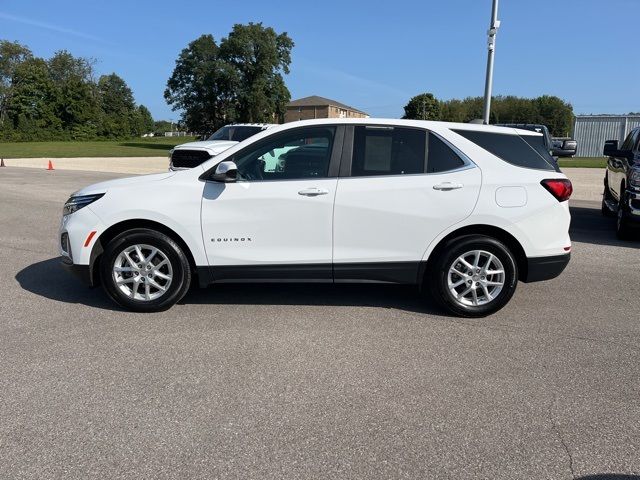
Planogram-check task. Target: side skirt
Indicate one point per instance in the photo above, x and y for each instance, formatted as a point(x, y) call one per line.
point(406, 273)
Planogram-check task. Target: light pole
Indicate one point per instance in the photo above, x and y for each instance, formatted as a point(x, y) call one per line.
point(488, 86)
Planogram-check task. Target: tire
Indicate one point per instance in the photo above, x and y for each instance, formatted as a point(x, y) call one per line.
point(441, 278)
point(144, 271)
point(623, 231)
point(606, 211)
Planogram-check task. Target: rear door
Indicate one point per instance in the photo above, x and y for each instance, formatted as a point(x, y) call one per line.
point(398, 189)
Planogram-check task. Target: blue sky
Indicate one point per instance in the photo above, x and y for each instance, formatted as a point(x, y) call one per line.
point(371, 54)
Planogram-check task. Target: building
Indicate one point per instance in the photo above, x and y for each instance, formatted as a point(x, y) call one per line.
point(591, 131)
point(308, 108)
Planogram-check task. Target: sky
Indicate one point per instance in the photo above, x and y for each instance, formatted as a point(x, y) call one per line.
point(373, 55)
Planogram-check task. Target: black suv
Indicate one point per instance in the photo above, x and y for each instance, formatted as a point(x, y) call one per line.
point(622, 183)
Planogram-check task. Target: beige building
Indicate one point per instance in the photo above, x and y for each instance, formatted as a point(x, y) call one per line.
point(308, 108)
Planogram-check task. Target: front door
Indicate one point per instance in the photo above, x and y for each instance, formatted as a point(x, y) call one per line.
point(275, 222)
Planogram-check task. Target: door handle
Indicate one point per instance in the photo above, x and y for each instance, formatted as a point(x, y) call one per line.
point(313, 192)
point(446, 186)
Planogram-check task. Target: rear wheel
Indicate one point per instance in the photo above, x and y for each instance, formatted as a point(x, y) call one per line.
point(145, 271)
point(474, 276)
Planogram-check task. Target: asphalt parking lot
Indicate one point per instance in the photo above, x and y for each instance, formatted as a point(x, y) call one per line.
point(286, 381)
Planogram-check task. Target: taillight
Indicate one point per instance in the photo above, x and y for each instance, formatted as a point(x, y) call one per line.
point(560, 188)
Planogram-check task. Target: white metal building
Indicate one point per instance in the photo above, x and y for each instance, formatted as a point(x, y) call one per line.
point(591, 131)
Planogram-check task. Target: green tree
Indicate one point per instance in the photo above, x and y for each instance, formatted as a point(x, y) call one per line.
point(239, 80)
point(422, 107)
point(118, 108)
point(32, 107)
point(77, 96)
point(258, 58)
point(12, 55)
point(144, 121)
point(199, 86)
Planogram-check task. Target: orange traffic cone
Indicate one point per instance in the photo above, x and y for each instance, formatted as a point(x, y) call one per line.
point(50, 166)
point(2, 162)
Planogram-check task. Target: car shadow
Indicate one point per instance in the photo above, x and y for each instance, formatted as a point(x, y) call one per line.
point(48, 279)
point(588, 225)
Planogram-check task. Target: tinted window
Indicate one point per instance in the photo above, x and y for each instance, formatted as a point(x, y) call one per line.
point(510, 148)
point(388, 151)
point(631, 138)
point(441, 157)
point(301, 153)
point(235, 133)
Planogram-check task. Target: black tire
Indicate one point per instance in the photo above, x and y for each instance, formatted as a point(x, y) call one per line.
point(623, 230)
point(179, 265)
point(606, 211)
point(438, 274)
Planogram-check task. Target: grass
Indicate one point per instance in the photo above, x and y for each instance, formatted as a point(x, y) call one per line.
point(137, 147)
point(583, 162)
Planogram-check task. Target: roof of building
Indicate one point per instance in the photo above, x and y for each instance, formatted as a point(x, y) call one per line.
point(316, 101)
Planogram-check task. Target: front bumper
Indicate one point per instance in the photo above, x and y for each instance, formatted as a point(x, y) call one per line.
point(632, 206)
point(546, 268)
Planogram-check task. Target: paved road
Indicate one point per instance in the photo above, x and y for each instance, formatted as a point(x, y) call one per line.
point(262, 382)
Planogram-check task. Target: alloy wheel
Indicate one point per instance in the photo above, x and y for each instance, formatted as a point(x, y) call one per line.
point(476, 278)
point(142, 272)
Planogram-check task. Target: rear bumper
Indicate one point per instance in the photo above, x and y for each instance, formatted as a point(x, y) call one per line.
point(83, 272)
point(546, 268)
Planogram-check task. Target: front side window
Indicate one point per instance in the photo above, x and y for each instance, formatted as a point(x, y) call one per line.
point(299, 154)
point(388, 151)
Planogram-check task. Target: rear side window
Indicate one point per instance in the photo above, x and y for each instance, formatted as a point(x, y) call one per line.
point(388, 151)
point(441, 157)
point(512, 149)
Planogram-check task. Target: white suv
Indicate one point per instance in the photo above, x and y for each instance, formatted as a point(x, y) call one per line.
point(464, 211)
point(192, 154)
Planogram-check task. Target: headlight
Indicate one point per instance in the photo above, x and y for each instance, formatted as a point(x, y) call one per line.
point(634, 178)
point(75, 203)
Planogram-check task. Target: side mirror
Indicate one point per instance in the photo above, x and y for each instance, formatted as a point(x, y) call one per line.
point(611, 148)
point(225, 172)
point(565, 148)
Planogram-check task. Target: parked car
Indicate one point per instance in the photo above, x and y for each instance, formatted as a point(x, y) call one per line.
point(463, 211)
point(192, 154)
point(622, 184)
point(557, 147)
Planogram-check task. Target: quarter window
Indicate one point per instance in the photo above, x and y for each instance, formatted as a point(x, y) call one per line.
point(388, 151)
point(441, 157)
point(301, 153)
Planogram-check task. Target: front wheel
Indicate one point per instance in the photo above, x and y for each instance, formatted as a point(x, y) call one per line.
point(474, 276)
point(623, 231)
point(145, 270)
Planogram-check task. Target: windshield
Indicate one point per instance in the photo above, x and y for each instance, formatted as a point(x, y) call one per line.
point(235, 134)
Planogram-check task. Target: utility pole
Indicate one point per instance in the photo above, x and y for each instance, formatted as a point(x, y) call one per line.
point(488, 86)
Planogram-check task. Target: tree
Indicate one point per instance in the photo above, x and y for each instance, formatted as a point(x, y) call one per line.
point(117, 107)
point(77, 97)
point(422, 107)
point(197, 86)
point(12, 54)
point(258, 58)
point(144, 121)
point(239, 80)
point(32, 107)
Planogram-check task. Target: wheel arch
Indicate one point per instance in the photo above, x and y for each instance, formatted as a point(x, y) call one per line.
point(488, 230)
point(117, 228)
